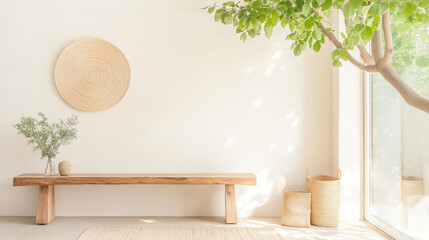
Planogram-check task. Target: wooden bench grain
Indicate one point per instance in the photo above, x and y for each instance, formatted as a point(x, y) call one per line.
point(46, 201)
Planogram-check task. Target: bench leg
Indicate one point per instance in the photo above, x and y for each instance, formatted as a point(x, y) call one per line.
point(46, 205)
point(230, 206)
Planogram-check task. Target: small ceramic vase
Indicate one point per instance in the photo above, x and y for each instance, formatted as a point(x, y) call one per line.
point(64, 168)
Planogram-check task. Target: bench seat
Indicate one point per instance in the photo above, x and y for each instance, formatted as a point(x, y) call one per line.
point(46, 201)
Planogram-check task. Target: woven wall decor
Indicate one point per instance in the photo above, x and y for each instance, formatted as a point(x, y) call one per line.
point(92, 75)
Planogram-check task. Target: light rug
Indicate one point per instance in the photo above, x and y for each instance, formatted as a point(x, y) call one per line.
point(179, 233)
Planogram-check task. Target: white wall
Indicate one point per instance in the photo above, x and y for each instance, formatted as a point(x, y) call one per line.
point(199, 101)
point(347, 130)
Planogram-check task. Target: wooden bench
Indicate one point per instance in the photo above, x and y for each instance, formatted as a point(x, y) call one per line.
point(46, 201)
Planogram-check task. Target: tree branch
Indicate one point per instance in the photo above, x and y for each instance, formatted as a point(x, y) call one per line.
point(410, 95)
point(366, 57)
point(377, 46)
point(388, 45)
point(383, 62)
point(354, 61)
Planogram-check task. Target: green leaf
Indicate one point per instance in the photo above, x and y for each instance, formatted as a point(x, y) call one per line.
point(322, 40)
point(284, 22)
point(359, 27)
point(376, 20)
point(422, 18)
point(275, 14)
point(378, 8)
point(315, 4)
point(423, 3)
point(310, 42)
point(257, 28)
point(306, 9)
point(251, 33)
point(402, 28)
point(229, 4)
point(268, 31)
point(262, 18)
point(406, 9)
point(316, 46)
point(317, 34)
point(298, 50)
point(343, 35)
point(256, 4)
point(291, 36)
point(367, 34)
point(227, 19)
point(211, 9)
point(344, 55)
point(340, 54)
point(271, 22)
point(241, 24)
point(218, 14)
point(337, 63)
point(247, 23)
point(242, 13)
point(348, 11)
point(235, 21)
point(408, 61)
point(422, 61)
point(254, 20)
point(282, 6)
point(243, 37)
point(299, 3)
point(355, 3)
point(326, 5)
point(309, 23)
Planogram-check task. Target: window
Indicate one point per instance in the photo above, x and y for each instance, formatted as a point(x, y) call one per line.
point(397, 142)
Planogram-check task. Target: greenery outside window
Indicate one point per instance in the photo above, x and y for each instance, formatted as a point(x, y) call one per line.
point(397, 141)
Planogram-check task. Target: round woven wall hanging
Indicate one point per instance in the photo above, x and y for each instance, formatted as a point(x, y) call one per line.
point(92, 75)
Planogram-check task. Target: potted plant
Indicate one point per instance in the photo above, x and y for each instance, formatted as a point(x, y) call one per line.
point(47, 137)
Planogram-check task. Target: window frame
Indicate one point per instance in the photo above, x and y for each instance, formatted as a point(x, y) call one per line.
point(367, 216)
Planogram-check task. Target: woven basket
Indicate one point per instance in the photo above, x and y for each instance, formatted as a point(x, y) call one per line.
point(296, 209)
point(412, 190)
point(325, 199)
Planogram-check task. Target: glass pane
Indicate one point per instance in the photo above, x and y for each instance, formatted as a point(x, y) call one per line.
point(399, 157)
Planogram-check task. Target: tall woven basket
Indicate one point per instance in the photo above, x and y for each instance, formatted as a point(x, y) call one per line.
point(325, 199)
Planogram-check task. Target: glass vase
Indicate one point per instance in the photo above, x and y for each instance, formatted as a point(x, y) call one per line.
point(50, 168)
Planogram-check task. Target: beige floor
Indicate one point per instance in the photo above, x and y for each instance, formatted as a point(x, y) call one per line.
point(70, 228)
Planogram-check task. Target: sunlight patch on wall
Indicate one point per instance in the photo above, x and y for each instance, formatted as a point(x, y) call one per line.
point(258, 102)
point(269, 69)
point(295, 122)
point(273, 145)
point(249, 69)
point(277, 54)
point(290, 115)
point(230, 142)
point(258, 196)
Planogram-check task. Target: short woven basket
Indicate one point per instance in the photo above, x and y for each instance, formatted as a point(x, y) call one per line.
point(296, 209)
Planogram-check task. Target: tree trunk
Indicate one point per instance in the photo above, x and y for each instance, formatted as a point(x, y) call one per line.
point(410, 95)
